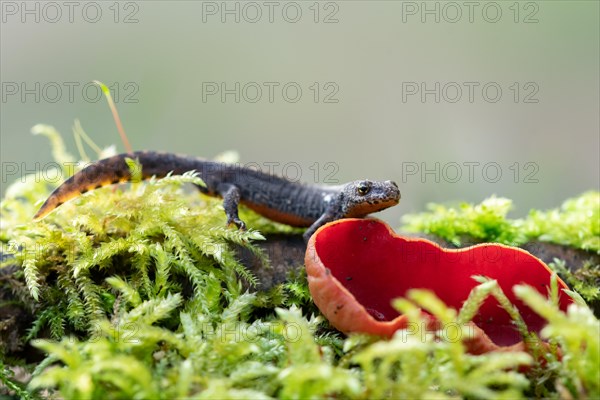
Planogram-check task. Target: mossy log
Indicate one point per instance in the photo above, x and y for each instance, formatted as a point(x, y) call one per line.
point(285, 254)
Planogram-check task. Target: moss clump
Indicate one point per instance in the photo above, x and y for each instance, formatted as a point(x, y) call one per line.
point(152, 236)
point(585, 280)
point(287, 357)
point(136, 292)
point(576, 223)
point(485, 222)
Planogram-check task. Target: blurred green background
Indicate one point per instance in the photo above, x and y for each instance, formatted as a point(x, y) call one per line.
point(364, 118)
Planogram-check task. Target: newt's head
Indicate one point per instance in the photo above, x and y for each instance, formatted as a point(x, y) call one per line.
point(364, 197)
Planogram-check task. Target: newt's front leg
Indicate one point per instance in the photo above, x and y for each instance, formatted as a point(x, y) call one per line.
point(328, 216)
point(231, 200)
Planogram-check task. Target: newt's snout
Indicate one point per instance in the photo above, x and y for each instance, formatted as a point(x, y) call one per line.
point(393, 191)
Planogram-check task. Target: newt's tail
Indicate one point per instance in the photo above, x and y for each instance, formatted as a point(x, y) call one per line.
point(113, 170)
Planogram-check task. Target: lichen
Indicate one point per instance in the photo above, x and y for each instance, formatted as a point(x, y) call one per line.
point(135, 292)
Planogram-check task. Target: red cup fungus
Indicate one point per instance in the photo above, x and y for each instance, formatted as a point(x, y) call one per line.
point(356, 267)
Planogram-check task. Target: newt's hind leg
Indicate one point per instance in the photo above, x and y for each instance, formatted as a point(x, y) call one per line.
point(231, 200)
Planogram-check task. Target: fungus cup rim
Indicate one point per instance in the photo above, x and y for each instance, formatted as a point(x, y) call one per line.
point(347, 314)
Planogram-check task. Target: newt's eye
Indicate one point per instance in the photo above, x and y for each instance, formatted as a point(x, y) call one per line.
point(363, 188)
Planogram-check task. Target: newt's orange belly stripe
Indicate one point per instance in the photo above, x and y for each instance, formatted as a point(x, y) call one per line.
point(278, 216)
point(71, 191)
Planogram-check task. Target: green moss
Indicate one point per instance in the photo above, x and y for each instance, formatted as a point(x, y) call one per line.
point(136, 292)
point(11, 384)
point(576, 223)
point(585, 280)
point(485, 222)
